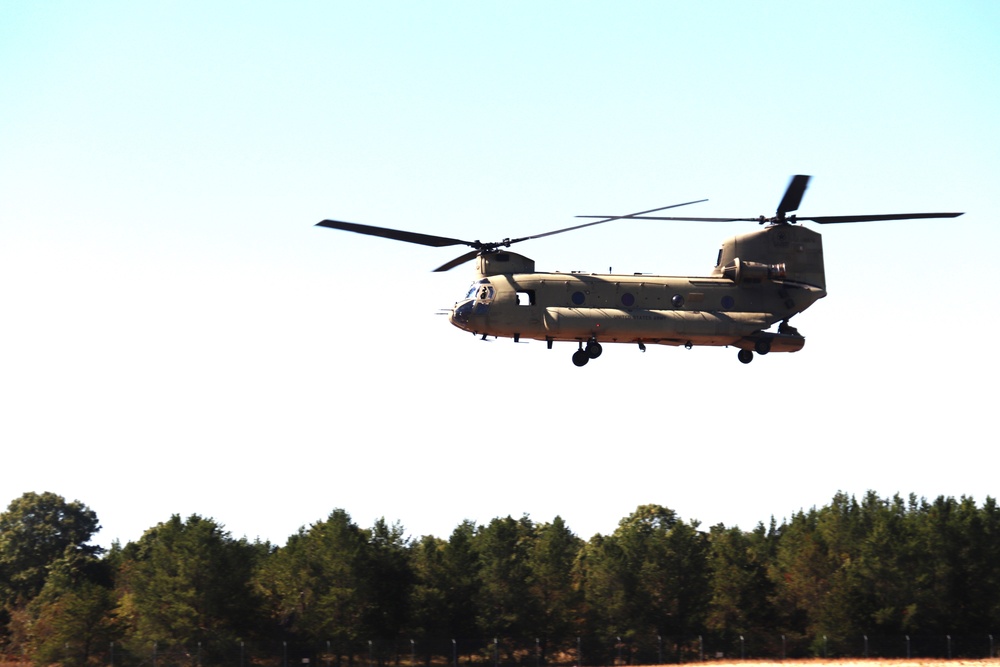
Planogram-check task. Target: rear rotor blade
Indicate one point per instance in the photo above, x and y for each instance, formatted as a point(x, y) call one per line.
point(659, 217)
point(829, 219)
point(790, 202)
point(793, 195)
point(396, 235)
point(823, 220)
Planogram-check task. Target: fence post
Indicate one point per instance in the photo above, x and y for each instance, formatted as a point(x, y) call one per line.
point(454, 652)
point(907, 647)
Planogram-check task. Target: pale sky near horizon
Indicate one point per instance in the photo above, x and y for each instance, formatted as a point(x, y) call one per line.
point(176, 336)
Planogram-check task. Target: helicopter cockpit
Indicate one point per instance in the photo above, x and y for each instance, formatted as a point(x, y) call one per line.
point(475, 303)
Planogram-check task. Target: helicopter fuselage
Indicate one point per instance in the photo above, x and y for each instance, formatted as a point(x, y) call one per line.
point(760, 279)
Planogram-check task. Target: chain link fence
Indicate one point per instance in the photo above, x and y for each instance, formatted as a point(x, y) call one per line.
point(580, 651)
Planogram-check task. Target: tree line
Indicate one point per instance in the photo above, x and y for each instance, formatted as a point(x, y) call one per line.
point(513, 590)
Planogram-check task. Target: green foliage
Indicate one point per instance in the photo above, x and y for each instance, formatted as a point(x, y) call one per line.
point(885, 566)
point(874, 566)
point(505, 606)
point(339, 583)
point(35, 532)
point(741, 588)
point(314, 585)
point(73, 626)
point(428, 601)
point(552, 585)
point(445, 589)
point(387, 578)
point(650, 577)
point(461, 571)
point(188, 581)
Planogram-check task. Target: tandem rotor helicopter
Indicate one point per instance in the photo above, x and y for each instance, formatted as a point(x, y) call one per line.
point(760, 279)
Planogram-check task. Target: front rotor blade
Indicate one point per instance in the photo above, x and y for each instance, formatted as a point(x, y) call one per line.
point(609, 218)
point(458, 260)
point(793, 195)
point(829, 219)
point(395, 234)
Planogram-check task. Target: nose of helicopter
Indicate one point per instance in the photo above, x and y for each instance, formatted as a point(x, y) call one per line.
point(461, 314)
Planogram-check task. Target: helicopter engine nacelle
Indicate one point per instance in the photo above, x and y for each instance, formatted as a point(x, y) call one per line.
point(791, 250)
point(740, 271)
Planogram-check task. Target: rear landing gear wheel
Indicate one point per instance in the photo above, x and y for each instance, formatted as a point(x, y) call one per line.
point(745, 356)
point(762, 346)
point(580, 357)
point(594, 349)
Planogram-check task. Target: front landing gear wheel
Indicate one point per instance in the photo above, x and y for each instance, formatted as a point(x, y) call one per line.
point(594, 349)
point(580, 358)
point(762, 346)
point(745, 356)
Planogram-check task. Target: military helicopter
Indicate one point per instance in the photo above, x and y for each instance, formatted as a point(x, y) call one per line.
point(760, 279)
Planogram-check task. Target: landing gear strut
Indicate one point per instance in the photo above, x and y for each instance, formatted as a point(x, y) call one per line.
point(585, 354)
point(761, 346)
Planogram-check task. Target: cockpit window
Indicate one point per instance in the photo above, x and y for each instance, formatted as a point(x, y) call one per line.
point(481, 290)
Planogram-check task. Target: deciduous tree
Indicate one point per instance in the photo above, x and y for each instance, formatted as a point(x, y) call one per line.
point(37, 530)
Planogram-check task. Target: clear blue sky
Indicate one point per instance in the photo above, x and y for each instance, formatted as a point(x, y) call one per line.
point(177, 337)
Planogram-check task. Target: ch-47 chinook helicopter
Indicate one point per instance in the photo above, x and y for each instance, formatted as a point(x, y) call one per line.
point(760, 279)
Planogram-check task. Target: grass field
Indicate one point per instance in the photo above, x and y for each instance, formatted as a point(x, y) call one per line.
point(852, 662)
point(819, 662)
